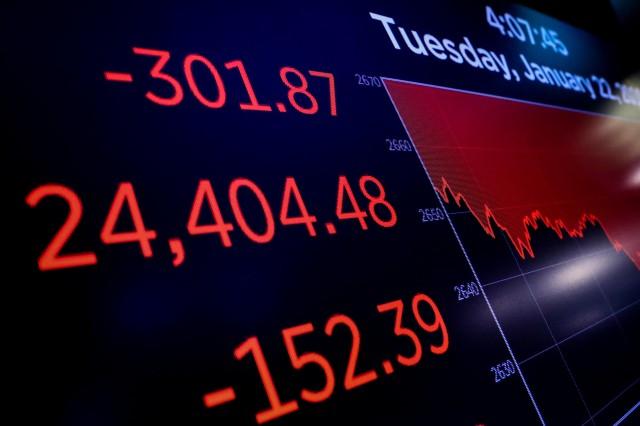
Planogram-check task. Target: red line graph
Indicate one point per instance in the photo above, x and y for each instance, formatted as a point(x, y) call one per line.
point(523, 165)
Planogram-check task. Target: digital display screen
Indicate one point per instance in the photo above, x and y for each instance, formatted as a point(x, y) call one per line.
point(344, 212)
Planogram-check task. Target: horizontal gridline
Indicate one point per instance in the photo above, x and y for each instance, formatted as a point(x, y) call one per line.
point(564, 262)
point(577, 333)
point(614, 399)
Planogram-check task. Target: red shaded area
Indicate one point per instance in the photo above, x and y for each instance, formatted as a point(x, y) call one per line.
point(524, 164)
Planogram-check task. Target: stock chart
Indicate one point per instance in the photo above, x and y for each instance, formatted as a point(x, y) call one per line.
point(367, 212)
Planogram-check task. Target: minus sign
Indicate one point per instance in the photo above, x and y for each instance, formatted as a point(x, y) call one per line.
point(118, 76)
point(219, 397)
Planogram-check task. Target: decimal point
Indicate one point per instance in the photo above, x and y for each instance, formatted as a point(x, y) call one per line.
point(280, 106)
point(387, 366)
point(331, 228)
point(509, 33)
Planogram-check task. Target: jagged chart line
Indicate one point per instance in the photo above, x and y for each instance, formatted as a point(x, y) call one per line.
point(530, 221)
point(423, 107)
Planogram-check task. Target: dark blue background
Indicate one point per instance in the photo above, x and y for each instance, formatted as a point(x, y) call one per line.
point(136, 341)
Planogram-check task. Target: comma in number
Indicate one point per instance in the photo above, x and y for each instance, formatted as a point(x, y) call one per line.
point(177, 249)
